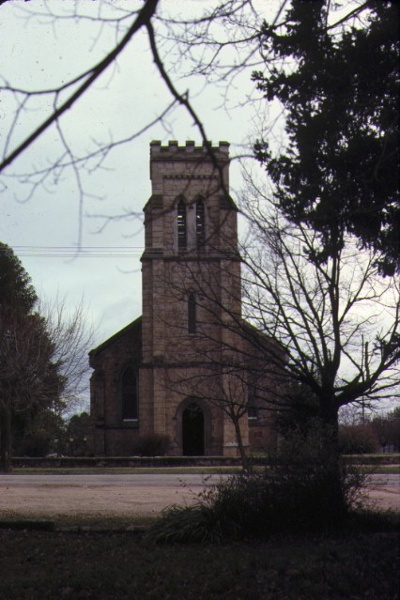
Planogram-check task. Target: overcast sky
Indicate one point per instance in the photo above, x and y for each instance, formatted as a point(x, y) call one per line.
point(45, 224)
point(44, 231)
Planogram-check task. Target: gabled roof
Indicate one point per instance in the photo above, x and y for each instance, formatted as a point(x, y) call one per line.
point(135, 328)
point(254, 334)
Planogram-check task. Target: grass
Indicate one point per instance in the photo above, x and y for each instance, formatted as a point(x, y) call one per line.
point(376, 469)
point(111, 558)
point(381, 469)
point(353, 565)
point(127, 470)
point(95, 523)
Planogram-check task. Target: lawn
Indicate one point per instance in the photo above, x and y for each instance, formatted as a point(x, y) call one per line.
point(357, 564)
point(108, 561)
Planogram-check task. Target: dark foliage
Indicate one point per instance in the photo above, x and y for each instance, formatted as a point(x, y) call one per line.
point(37, 433)
point(152, 445)
point(30, 378)
point(42, 565)
point(387, 430)
point(16, 289)
point(303, 490)
point(77, 435)
point(357, 439)
point(339, 171)
point(298, 410)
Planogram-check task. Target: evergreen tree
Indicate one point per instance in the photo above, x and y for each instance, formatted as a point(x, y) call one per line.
point(339, 88)
point(16, 289)
point(30, 377)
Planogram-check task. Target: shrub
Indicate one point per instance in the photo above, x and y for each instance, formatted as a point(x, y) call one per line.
point(35, 443)
point(357, 439)
point(306, 489)
point(152, 445)
point(187, 524)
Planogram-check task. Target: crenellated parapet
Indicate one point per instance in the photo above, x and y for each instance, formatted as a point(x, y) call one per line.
point(190, 209)
point(174, 151)
point(204, 162)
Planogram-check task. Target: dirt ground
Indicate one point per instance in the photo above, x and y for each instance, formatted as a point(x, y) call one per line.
point(82, 496)
point(384, 499)
point(26, 498)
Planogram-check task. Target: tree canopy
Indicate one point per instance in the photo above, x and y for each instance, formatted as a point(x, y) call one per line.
point(43, 358)
point(338, 171)
point(16, 288)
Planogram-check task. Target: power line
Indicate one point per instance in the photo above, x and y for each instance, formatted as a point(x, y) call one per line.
point(75, 252)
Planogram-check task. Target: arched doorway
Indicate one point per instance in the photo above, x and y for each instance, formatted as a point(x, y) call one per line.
point(193, 430)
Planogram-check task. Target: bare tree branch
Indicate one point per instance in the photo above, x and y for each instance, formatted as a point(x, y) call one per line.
point(338, 320)
point(89, 77)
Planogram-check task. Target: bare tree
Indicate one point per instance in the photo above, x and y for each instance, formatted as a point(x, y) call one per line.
point(338, 321)
point(326, 330)
point(43, 364)
point(72, 337)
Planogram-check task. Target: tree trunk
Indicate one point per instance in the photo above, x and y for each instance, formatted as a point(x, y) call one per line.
point(5, 441)
point(335, 492)
point(246, 466)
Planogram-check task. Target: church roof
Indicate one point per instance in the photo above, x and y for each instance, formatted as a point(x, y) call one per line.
point(134, 328)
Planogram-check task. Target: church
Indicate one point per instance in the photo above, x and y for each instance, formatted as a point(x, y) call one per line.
point(187, 369)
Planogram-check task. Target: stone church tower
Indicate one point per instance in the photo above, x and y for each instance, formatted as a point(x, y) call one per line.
point(178, 371)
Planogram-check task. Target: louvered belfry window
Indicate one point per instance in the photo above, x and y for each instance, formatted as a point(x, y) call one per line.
point(182, 225)
point(200, 224)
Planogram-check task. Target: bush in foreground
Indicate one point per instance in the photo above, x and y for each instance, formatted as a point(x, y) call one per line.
point(304, 490)
point(255, 505)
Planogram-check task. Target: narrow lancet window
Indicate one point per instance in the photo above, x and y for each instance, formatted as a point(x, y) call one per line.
point(129, 395)
point(192, 313)
point(200, 225)
point(181, 225)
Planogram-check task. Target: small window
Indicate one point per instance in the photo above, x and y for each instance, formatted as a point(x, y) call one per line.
point(192, 313)
point(252, 412)
point(252, 407)
point(129, 394)
point(181, 225)
point(200, 225)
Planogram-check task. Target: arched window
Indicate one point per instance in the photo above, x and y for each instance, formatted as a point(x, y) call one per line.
point(200, 224)
point(192, 313)
point(129, 394)
point(181, 224)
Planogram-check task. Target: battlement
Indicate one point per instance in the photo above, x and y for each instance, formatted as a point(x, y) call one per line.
point(173, 151)
point(188, 161)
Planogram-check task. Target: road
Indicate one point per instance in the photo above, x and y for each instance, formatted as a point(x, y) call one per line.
point(140, 494)
point(384, 490)
point(97, 494)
